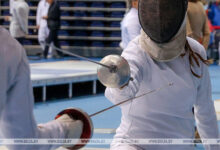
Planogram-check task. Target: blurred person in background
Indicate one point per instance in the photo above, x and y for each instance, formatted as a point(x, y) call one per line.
point(214, 13)
point(130, 26)
point(197, 27)
point(19, 19)
point(205, 4)
point(197, 23)
point(53, 23)
point(214, 16)
point(43, 30)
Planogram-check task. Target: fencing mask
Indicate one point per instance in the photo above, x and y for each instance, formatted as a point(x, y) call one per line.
point(164, 31)
point(161, 19)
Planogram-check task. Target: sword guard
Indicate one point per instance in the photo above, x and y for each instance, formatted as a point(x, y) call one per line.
point(78, 114)
point(117, 75)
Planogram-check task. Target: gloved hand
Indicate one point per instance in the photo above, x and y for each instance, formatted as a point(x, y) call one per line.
point(131, 79)
point(81, 127)
point(73, 128)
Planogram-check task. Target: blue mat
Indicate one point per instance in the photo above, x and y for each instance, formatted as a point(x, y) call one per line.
point(48, 110)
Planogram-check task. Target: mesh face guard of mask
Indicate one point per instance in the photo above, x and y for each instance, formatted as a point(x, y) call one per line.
point(161, 19)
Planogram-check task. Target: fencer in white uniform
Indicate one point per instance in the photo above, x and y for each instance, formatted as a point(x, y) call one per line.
point(130, 26)
point(156, 60)
point(19, 19)
point(43, 30)
point(16, 101)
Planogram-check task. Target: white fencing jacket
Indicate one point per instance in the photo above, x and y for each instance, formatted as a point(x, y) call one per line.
point(168, 112)
point(16, 98)
point(130, 27)
point(42, 10)
point(19, 20)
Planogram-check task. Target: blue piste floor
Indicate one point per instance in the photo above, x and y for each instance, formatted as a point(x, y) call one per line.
point(109, 119)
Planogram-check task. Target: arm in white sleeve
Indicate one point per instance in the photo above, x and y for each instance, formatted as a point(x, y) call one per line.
point(3, 80)
point(205, 114)
point(133, 57)
point(17, 119)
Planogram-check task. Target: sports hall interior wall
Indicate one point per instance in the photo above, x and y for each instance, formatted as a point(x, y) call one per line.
point(88, 27)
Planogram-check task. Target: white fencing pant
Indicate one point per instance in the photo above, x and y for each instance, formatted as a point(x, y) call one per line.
point(43, 33)
point(125, 147)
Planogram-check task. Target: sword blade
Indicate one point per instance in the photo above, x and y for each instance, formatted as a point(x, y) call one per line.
point(78, 56)
point(113, 106)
